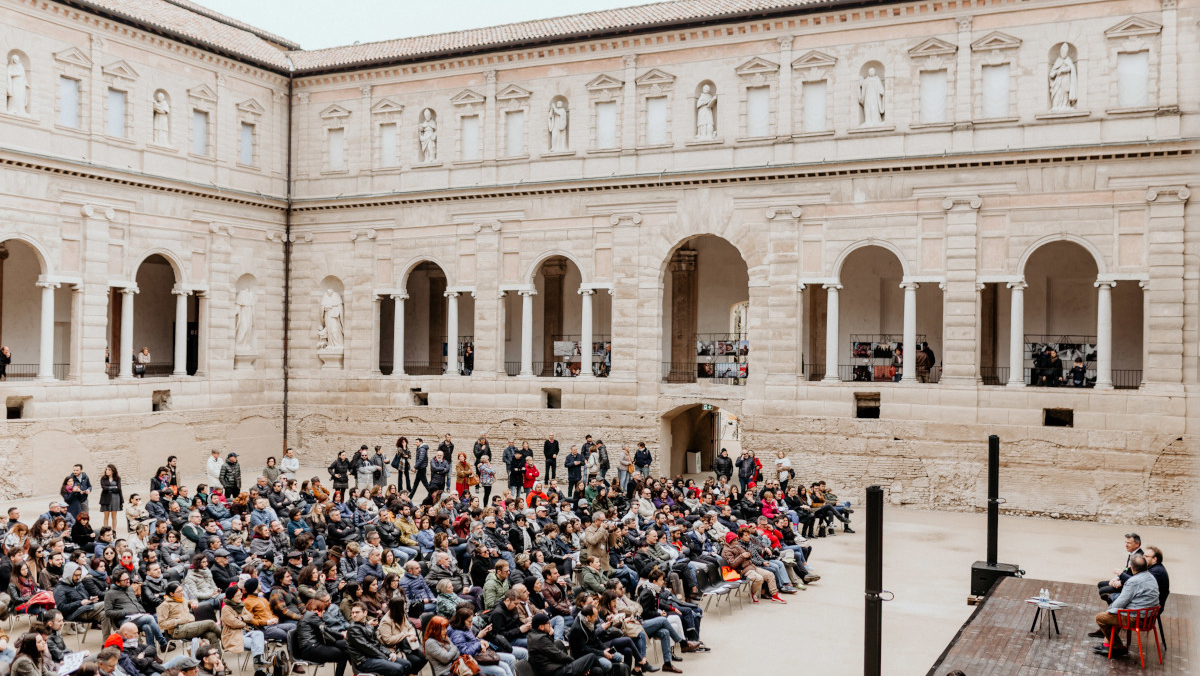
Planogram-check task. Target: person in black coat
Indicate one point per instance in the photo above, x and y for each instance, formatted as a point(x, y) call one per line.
point(366, 653)
point(315, 643)
point(574, 465)
point(339, 472)
point(723, 465)
point(547, 659)
point(550, 450)
point(421, 463)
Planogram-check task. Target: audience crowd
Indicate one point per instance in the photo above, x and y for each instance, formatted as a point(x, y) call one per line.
point(466, 561)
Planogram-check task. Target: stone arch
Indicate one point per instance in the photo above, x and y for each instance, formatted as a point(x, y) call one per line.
point(664, 255)
point(416, 261)
point(836, 271)
point(1098, 257)
point(39, 251)
point(532, 270)
point(172, 259)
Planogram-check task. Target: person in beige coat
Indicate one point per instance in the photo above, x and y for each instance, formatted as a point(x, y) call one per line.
point(176, 620)
point(236, 632)
point(595, 539)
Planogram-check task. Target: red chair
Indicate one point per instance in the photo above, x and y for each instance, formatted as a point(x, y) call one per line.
point(1137, 620)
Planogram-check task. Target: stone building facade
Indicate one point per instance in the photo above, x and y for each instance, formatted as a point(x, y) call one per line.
point(736, 230)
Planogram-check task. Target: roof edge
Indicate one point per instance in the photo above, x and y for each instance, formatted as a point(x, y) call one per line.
point(287, 44)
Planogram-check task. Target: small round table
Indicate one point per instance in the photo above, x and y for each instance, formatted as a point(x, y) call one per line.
point(1048, 605)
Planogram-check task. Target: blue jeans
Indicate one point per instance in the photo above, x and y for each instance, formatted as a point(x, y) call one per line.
point(623, 479)
point(381, 667)
point(781, 577)
point(627, 576)
point(559, 625)
point(254, 641)
point(661, 628)
point(149, 625)
point(799, 551)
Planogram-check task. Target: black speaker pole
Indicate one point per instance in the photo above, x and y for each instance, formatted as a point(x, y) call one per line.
point(873, 637)
point(993, 506)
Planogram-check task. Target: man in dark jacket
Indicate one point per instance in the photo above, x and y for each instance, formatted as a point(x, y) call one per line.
point(120, 603)
point(224, 573)
point(504, 618)
point(73, 600)
point(547, 659)
point(231, 476)
point(583, 640)
point(574, 465)
point(421, 464)
point(550, 450)
point(366, 653)
point(723, 465)
point(746, 470)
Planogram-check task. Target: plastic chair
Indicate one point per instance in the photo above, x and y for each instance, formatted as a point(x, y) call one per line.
point(291, 653)
point(1137, 620)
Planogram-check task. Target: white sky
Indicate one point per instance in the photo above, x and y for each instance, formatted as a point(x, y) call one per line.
point(321, 23)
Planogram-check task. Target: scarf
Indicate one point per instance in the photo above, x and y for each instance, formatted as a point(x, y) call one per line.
point(237, 607)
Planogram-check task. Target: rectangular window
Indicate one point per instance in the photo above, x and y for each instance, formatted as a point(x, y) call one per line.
point(606, 124)
point(246, 144)
point(758, 111)
point(1133, 72)
point(656, 120)
point(470, 137)
point(933, 96)
point(514, 133)
point(199, 132)
point(813, 100)
point(337, 149)
point(115, 123)
point(387, 145)
point(68, 102)
point(996, 86)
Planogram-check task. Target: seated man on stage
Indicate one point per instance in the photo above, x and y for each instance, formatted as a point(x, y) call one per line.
point(1110, 588)
point(1139, 591)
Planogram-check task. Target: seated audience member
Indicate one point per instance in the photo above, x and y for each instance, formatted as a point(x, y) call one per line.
point(1109, 588)
point(548, 659)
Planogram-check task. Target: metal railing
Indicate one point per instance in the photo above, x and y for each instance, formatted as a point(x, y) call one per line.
point(30, 371)
point(1127, 379)
point(880, 373)
point(722, 373)
point(994, 375)
point(153, 370)
point(424, 368)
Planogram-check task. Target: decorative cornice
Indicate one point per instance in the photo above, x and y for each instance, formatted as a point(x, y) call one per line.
point(972, 201)
point(1168, 193)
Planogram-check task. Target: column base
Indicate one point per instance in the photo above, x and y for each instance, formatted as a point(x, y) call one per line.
point(45, 379)
point(831, 379)
point(1015, 383)
point(1102, 386)
point(175, 374)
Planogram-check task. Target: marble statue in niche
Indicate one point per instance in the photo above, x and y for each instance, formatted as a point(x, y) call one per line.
point(557, 124)
point(427, 135)
point(243, 322)
point(706, 126)
point(17, 86)
point(870, 97)
point(332, 332)
point(162, 119)
point(1064, 80)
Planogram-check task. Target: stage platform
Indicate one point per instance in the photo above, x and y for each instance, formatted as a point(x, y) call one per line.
point(996, 640)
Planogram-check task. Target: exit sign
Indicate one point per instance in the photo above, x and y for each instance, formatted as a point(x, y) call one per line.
point(706, 407)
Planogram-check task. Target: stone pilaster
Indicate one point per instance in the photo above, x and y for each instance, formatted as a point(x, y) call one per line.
point(489, 303)
point(93, 327)
point(360, 303)
point(960, 300)
point(684, 302)
point(636, 346)
point(1164, 291)
point(775, 312)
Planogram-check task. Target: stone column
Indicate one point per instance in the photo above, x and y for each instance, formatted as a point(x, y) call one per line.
point(376, 318)
point(553, 272)
point(180, 359)
point(46, 347)
point(963, 75)
point(785, 88)
point(585, 333)
point(125, 354)
point(684, 303)
point(1165, 295)
point(451, 333)
point(629, 119)
point(490, 124)
point(636, 309)
point(398, 334)
point(1104, 380)
point(910, 331)
point(1168, 89)
point(831, 332)
point(527, 331)
point(960, 299)
point(74, 367)
point(1016, 335)
point(202, 319)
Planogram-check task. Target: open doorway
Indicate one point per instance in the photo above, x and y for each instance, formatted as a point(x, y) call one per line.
point(694, 435)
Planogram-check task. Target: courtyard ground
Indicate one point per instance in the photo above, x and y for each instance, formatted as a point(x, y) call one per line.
point(927, 560)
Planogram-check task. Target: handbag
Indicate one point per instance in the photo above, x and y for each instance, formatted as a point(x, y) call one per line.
point(729, 575)
point(465, 665)
point(487, 656)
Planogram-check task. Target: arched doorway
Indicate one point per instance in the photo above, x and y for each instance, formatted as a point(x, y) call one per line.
point(429, 312)
point(37, 348)
point(693, 435)
point(706, 306)
point(569, 328)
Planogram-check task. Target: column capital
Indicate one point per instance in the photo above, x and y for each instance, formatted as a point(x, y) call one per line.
point(129, 290)
point(1105, 283)
point(176, 291)
point(451, 294)
point(785, 211)
point(48, 285)
point(1168, 193)
point(1019, 286)
point(399, 296)
point(962, 201)
point(906, 285)
point(785, 42)
point(1170, 4)
point(626, 217)
point(964, 23)
point(527, 292)
point(835, 287)
point(630, 60)
point(586, 292)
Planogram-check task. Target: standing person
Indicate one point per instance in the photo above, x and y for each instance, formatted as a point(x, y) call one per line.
point(290, 464)
point(231, 476)
point(420, 464)
point(516, 469)
point(624, 467)
point(6, 359)
point(487, 477)
point(111, 498)
point(77, 498)
point(574, 465)
point(723, 465)
point(550, 451)
point(140, 361)
point(783, 469)
point(401, 462)
point(439, 472)
point(173, 470)
point(364, 468)
point(746, 470)
point(482, 448)
point(464, 475)
point(212, 468)
point(339, 472)
point(642, 459)
point(601, 452)
point(381, 477)
point(447, 447)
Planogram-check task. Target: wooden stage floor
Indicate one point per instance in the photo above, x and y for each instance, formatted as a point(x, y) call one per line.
point(996, 640)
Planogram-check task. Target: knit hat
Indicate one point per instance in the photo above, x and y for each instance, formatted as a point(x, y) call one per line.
point(250, 585)
point(730, 537)
point(231, 592)
point(539, 619)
